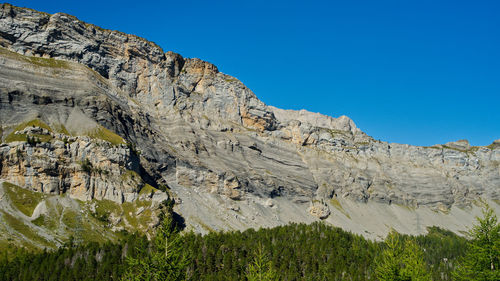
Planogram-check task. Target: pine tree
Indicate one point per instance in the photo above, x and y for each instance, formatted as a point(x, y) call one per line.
point(163, 259)
point(414, 266)
point(401, 261)
point(482, 259)
point(388, 265)
point(261, 269)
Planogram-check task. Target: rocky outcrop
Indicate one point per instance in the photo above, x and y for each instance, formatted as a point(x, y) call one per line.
point(320, 210)
point(343, 123)
point(83, 167)
point(203, 131)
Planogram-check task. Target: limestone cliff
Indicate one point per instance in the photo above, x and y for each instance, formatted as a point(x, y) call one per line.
point(231, 160)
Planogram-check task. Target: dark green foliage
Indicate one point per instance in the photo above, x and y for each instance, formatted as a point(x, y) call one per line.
point(295, 252)
point(32, 140)
point(103, 217)
point(163, 188)
point(90, 262)
point(388, 264)
point(442, 248)
point(163, 259)
point(482, 260)
point(401, 260)
point(261, 268)
point(86, 165)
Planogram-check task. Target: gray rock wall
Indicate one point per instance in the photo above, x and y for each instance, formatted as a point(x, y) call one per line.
point(196, 127)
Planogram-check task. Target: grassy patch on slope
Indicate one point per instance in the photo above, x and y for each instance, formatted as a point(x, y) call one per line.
point(33, 123)
point(494, 146)
point(337, 133)
point(24, 137)
point(147, 189)
point(128, 211)
point(38, 61)
point(335, 203)
point(20, 227)
point(24, 200)
point(60, 128)
point(107, 135)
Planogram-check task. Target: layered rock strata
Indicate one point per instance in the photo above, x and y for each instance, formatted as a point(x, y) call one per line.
point(195, 127)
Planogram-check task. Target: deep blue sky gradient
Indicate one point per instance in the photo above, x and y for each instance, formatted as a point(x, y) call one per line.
point(417, 71)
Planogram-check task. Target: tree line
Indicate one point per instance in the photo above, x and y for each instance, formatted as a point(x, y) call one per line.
point(293, 252)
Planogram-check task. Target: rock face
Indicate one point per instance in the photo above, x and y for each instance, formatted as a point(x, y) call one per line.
point(196, 128)
point(84, 168)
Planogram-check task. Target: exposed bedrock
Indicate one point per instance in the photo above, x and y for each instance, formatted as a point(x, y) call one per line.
point(194, 126)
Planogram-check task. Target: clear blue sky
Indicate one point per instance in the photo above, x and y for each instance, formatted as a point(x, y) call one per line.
point(416, 71)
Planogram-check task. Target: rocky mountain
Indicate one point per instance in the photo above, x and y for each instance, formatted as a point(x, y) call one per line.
point(93, 115)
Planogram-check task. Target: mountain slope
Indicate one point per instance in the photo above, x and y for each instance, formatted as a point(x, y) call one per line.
point(229, 160)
